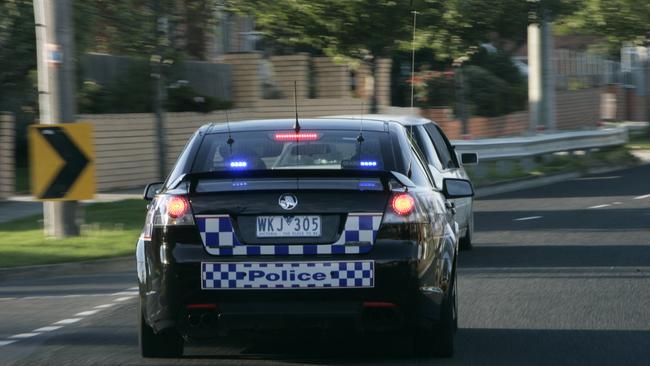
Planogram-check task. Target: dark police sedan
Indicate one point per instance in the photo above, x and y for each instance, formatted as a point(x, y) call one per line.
point(316, 223)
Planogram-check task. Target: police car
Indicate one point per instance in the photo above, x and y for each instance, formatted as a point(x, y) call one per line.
point(310, 223)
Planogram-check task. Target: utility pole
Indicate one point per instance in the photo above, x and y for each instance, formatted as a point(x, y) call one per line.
point(541, 76)
point(157, 74)
point(56, 89)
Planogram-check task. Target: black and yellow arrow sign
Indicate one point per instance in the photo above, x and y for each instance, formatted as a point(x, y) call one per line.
point(62, 162)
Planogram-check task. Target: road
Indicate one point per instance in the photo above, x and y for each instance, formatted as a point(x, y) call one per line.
point(559, 275)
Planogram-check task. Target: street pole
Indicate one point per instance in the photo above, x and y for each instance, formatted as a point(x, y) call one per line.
point(541, 75)
point(157, 63)
point(56, 88)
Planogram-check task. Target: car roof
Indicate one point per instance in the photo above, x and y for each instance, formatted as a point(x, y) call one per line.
point(333, 123)
point(404, 120)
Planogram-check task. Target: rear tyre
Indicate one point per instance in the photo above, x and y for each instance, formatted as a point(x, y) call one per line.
point(168, 344)
point(438, 341)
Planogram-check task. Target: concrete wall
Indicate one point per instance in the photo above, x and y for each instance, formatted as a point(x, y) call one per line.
point(287, 69)
point(329, 80)
point(7, 148)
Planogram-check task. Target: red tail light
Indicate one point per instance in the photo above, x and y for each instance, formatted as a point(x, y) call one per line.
point(292, 136)
point(177, 206)
point(402, 204)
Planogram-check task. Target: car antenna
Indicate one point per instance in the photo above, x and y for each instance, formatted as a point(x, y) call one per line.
point(296, 124)
point(415, 15)
point(230, 140)
point(360, 138)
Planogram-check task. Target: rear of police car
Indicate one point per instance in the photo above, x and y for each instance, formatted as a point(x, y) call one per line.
point(272, 225)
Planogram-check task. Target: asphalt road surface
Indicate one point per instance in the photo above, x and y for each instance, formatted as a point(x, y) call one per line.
point(560, 275)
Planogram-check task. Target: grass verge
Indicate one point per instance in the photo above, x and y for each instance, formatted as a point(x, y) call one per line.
point(641, 142)
point(110, 230)
point(551, 165)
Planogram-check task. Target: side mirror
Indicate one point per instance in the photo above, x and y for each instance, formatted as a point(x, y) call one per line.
point(151, 190)
point(469, 158)
point(457, 188)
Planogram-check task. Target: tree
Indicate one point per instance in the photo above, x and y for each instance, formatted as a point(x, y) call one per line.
point(17, 55)
point(617, 21)
point(361, 30)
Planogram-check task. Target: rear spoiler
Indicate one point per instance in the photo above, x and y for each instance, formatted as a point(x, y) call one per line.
point(383, 175)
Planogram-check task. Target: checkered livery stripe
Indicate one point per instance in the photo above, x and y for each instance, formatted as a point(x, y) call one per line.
point(219, 238)
point(302, 275)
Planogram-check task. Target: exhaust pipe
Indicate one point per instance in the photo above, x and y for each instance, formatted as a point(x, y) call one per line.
point(208, 319)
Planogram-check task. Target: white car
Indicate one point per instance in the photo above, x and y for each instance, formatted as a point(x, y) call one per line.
point(443, 162)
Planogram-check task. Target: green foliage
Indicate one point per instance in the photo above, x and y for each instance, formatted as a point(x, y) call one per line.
point(487, 93)
point(493, 86)
point(617, 21)
point(17, 55)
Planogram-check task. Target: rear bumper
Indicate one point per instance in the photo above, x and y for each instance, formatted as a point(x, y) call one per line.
point(407, 291)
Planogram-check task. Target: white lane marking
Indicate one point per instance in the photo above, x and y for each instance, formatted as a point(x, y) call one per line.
point(600, 206)
point(600, 178)
point(24, 335)
point(120, 299)
point(528, 218)
point(61, 323)
point(642, 197)
point(86, 313)
point(617, 203)
point(135, 288)
point(47, 329)
point(67, 321)
point(125, 293)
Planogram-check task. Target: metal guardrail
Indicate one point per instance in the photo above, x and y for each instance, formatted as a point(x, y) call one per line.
point(633, 127)
point(521, 147)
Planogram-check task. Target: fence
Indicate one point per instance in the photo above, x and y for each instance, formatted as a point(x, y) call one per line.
point(7, 144)
point(575, 110)
point(126, 145)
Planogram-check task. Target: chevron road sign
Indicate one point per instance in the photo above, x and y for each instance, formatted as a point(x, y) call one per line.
point(62, 163)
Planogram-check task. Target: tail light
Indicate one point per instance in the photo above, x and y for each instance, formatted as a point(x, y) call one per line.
point(402, 204)
point(170, 210)
point(404, 208)
point(177, 206)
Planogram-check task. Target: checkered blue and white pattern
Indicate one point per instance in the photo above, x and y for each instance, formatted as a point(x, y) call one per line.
point(358, 237)
point(301, 275)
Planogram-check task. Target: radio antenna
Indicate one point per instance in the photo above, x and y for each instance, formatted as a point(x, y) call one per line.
point(415, 15)
point(360, 138)
point(296, 124)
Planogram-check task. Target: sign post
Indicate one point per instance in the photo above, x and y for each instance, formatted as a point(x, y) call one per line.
point(56, 89)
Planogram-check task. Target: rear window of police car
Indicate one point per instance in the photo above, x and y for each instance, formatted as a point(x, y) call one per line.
point(270, 150)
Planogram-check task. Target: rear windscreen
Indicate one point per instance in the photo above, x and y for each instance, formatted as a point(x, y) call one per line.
point(270, 150)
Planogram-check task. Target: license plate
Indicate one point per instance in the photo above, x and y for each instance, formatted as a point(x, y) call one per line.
point(287, 275)
point(299, 226)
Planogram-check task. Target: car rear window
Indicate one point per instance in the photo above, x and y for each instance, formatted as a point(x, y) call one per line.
point(270, 150)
